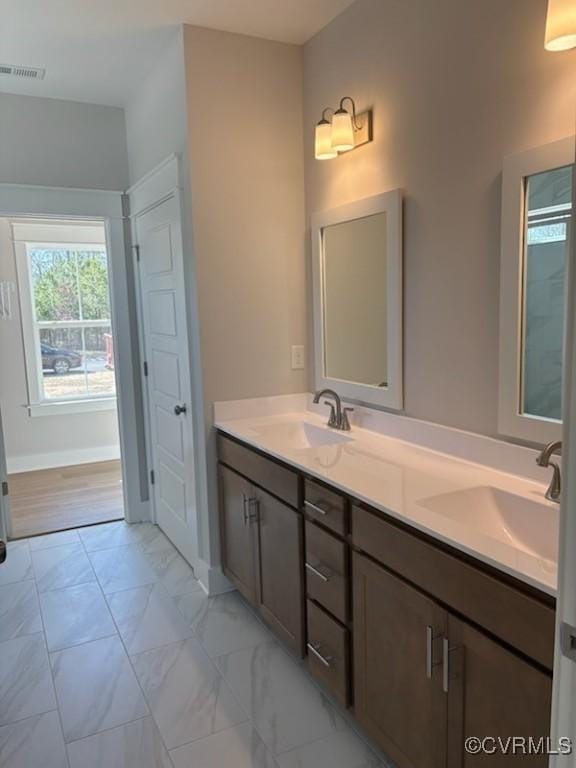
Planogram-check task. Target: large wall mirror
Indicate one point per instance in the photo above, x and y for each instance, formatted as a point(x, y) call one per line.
point(536, 223)
point(357, 251)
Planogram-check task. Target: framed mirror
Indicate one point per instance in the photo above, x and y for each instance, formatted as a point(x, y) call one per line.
point(536, 221)
point(357, 278)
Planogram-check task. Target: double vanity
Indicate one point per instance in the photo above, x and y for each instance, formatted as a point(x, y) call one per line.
point(418, 587)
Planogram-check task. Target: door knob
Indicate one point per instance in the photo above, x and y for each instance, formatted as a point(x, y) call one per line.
point(178, 409)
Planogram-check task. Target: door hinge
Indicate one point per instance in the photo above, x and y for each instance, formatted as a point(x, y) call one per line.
point(152, 477)
point(4, 488)
point(145, 368)
point(137, 249)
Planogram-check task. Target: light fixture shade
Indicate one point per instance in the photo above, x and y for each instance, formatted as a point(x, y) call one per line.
point(323, 142)
point(560, 25)
point(342, 131)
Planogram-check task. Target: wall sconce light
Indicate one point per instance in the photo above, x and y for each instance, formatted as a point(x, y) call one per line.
point(560, 25)
point(346, 131)
point(323, 149)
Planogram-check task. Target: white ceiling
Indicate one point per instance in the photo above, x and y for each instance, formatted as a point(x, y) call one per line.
point(99, 50)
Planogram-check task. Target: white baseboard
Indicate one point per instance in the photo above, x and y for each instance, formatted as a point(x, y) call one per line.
point(35, 461)
point(211, 578)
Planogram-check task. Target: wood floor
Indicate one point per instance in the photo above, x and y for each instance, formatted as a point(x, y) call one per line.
point(67, 497)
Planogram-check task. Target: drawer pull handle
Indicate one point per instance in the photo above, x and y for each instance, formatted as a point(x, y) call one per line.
point(323, 659)
point(315, 508)
point(316, 572)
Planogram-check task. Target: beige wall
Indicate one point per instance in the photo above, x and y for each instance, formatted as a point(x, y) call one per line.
point(246, 170)
point(455, 86)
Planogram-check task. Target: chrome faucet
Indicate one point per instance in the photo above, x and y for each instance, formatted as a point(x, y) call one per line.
point(338, 418)
point(543, 460)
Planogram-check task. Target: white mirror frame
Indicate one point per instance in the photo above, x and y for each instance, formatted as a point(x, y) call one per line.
point(390, 203)
point(511, 421)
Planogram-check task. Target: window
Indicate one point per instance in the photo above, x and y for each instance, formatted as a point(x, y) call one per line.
point(537, 193)
point(66, 317)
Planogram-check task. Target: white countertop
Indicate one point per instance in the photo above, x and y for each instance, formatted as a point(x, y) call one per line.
point(396, 477)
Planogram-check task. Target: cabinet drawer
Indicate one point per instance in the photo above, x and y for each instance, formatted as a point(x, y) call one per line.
point(327, 507)
point(273, 477)
point(326, 569)
point(508, 613)
point(328, 652)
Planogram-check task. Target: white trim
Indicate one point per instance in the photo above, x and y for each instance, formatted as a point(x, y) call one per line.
point(62, 203)
point(157, 184)
point(34, 461)
point(390, 203)
point(564, 691)
point(65, 407)
point(515, 170)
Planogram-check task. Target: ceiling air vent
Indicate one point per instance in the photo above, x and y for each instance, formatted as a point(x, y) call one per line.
point(27, 73)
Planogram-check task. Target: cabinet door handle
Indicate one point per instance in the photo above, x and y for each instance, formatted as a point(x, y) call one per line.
point(316, 572)
point(446, 651)
point(252, 504)
point(315, 508)
point(245, 508)
point(322, 659)
point(430, 663)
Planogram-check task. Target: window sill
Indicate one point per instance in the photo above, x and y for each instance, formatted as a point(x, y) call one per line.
point(64, 407)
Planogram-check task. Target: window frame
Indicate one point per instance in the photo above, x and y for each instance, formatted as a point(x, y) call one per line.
point(517, 168)
point(52, 236)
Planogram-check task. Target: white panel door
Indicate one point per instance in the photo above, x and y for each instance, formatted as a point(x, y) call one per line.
point(163, 308)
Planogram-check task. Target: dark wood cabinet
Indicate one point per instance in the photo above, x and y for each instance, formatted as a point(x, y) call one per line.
point(426, 644)
point(239, 535)
point(280, 592)
point(425, 680)
point(493, 693)
point(263, 540)
point(398, 700)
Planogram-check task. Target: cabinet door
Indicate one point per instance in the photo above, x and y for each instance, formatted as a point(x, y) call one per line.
point(493, 693)
point(398, 693)
point(237, 533)
point(281, 593)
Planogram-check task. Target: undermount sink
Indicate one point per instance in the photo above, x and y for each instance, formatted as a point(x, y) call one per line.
point(301, 434)
point(515, 520)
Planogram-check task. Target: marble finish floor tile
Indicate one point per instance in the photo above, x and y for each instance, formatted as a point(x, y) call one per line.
point(75, 615)
point(173, 571)
point(343, 749)
point(187, 696)
point(238, 747)
point(19, 610)
point(96, 688)
point(222, 624)
point(33, 743)
point(147, 618)
point(54, 540)
point(286, 707)
point(59, 567)
point(135, 745)
point(122, 568)
point(25, 681)
point(18, 563)
point(151, 538)
point(108, 535)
